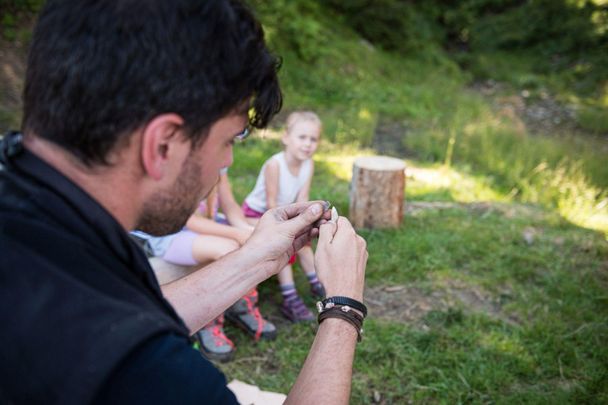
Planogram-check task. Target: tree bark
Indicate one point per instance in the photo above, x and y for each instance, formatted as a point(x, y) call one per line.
point(377, 191)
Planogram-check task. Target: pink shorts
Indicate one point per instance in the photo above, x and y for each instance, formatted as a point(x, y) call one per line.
point(251, 213)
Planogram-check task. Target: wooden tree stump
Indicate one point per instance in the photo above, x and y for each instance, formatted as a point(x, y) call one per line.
point(376, 193)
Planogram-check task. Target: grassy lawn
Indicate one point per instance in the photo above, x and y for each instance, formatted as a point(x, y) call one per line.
point(469, 302)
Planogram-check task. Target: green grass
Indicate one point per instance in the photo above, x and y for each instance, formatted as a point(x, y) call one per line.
point(542, 343)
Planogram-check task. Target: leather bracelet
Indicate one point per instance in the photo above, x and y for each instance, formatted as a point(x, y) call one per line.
point(347, 315)
point(359, 306)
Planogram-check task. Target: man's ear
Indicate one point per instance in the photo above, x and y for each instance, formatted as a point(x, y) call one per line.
point(162, 144)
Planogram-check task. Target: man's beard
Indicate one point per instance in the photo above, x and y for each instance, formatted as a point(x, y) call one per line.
point(168, 211)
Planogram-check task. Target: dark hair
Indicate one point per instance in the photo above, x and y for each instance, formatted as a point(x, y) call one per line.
point(98, 70)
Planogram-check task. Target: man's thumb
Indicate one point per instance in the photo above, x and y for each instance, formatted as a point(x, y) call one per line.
point(305, 219)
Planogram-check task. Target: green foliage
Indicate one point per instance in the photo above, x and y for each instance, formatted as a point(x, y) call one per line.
point(294, 25)
point(9, 119)
point(594, 119)
point(393, 25)
point(548, 25)
point(12, 15)
point(560, 35)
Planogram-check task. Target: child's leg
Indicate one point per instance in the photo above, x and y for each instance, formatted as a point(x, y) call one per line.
point(192, 248)
point(177, 261)
point(208, 248)
point(292, 307)
point(252, 221)
point(245, 312)
point(286, 276)
point(307, 261)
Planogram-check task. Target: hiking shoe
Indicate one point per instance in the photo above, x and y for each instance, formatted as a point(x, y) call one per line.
point(317, 290)
point(246, 315)
point(295, 310)
point(215, 345)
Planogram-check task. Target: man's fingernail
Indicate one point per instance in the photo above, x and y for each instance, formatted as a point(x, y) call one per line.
point(315, 209)
point(326, 205)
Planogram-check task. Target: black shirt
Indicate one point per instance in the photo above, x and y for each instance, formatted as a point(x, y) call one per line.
point(82, 317)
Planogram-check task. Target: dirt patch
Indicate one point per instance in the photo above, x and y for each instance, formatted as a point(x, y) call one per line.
point(410, 303)
point(389, 137)
point(508, 210)
point(535, 111)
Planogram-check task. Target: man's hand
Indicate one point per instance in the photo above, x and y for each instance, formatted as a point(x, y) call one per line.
point(282, 231)
point(340, 259)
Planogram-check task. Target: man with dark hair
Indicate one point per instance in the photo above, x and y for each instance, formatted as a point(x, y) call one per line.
point(131, 108)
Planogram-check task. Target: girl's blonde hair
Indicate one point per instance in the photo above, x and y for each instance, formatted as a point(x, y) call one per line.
point(298, 116)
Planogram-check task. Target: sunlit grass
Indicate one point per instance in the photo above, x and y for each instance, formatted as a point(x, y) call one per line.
point(564, 187)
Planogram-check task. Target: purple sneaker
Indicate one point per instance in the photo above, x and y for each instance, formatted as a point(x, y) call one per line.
point(295, 310)
point(317, 290)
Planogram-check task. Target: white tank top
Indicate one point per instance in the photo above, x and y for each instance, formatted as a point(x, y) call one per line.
point(289, 185)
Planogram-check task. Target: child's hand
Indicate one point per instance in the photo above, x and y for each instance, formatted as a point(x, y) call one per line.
point(340, 259)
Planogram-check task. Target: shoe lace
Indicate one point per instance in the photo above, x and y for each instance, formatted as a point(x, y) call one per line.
point(255, 312)
point(219, 338)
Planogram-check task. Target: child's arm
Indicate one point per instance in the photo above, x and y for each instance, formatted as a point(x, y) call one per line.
point(229, 206)
point(303, 195)
point(271, 178)
point(205, 226)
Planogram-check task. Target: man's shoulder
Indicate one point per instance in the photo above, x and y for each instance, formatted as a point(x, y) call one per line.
point(14, 195)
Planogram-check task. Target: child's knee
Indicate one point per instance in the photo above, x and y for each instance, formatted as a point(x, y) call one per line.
point(226, 247)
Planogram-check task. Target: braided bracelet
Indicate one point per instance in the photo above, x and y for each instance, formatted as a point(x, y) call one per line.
point(345, 313)
point(331, 301)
